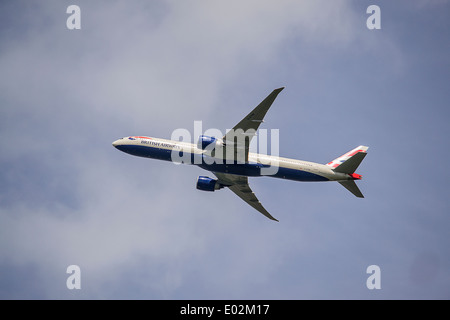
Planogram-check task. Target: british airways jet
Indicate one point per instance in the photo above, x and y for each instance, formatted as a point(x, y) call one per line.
point(231, 162)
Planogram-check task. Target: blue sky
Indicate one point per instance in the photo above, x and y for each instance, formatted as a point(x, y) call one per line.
point(139, 229)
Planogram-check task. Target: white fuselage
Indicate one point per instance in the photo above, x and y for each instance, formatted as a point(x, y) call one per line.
point(257, 164)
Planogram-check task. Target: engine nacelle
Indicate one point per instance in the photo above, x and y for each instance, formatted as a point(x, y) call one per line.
point(210, 142)
point(208, 184)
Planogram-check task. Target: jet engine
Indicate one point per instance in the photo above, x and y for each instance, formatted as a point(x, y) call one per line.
point(210, 142)
point(208, 184)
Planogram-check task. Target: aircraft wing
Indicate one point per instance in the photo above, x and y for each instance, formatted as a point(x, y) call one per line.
point(246, 129)
point(239, 185)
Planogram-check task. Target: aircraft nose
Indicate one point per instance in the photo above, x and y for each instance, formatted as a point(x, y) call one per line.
point(116, 143)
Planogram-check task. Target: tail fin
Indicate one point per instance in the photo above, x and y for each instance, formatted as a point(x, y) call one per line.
point(348, 163)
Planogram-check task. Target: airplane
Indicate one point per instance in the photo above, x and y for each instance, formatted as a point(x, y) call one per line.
point(230, 160)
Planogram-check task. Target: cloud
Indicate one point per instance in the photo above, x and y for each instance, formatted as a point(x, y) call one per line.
point(137, 227)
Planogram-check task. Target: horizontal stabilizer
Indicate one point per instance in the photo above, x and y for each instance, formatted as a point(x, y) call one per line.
point(350, 165)
point(351, 186)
